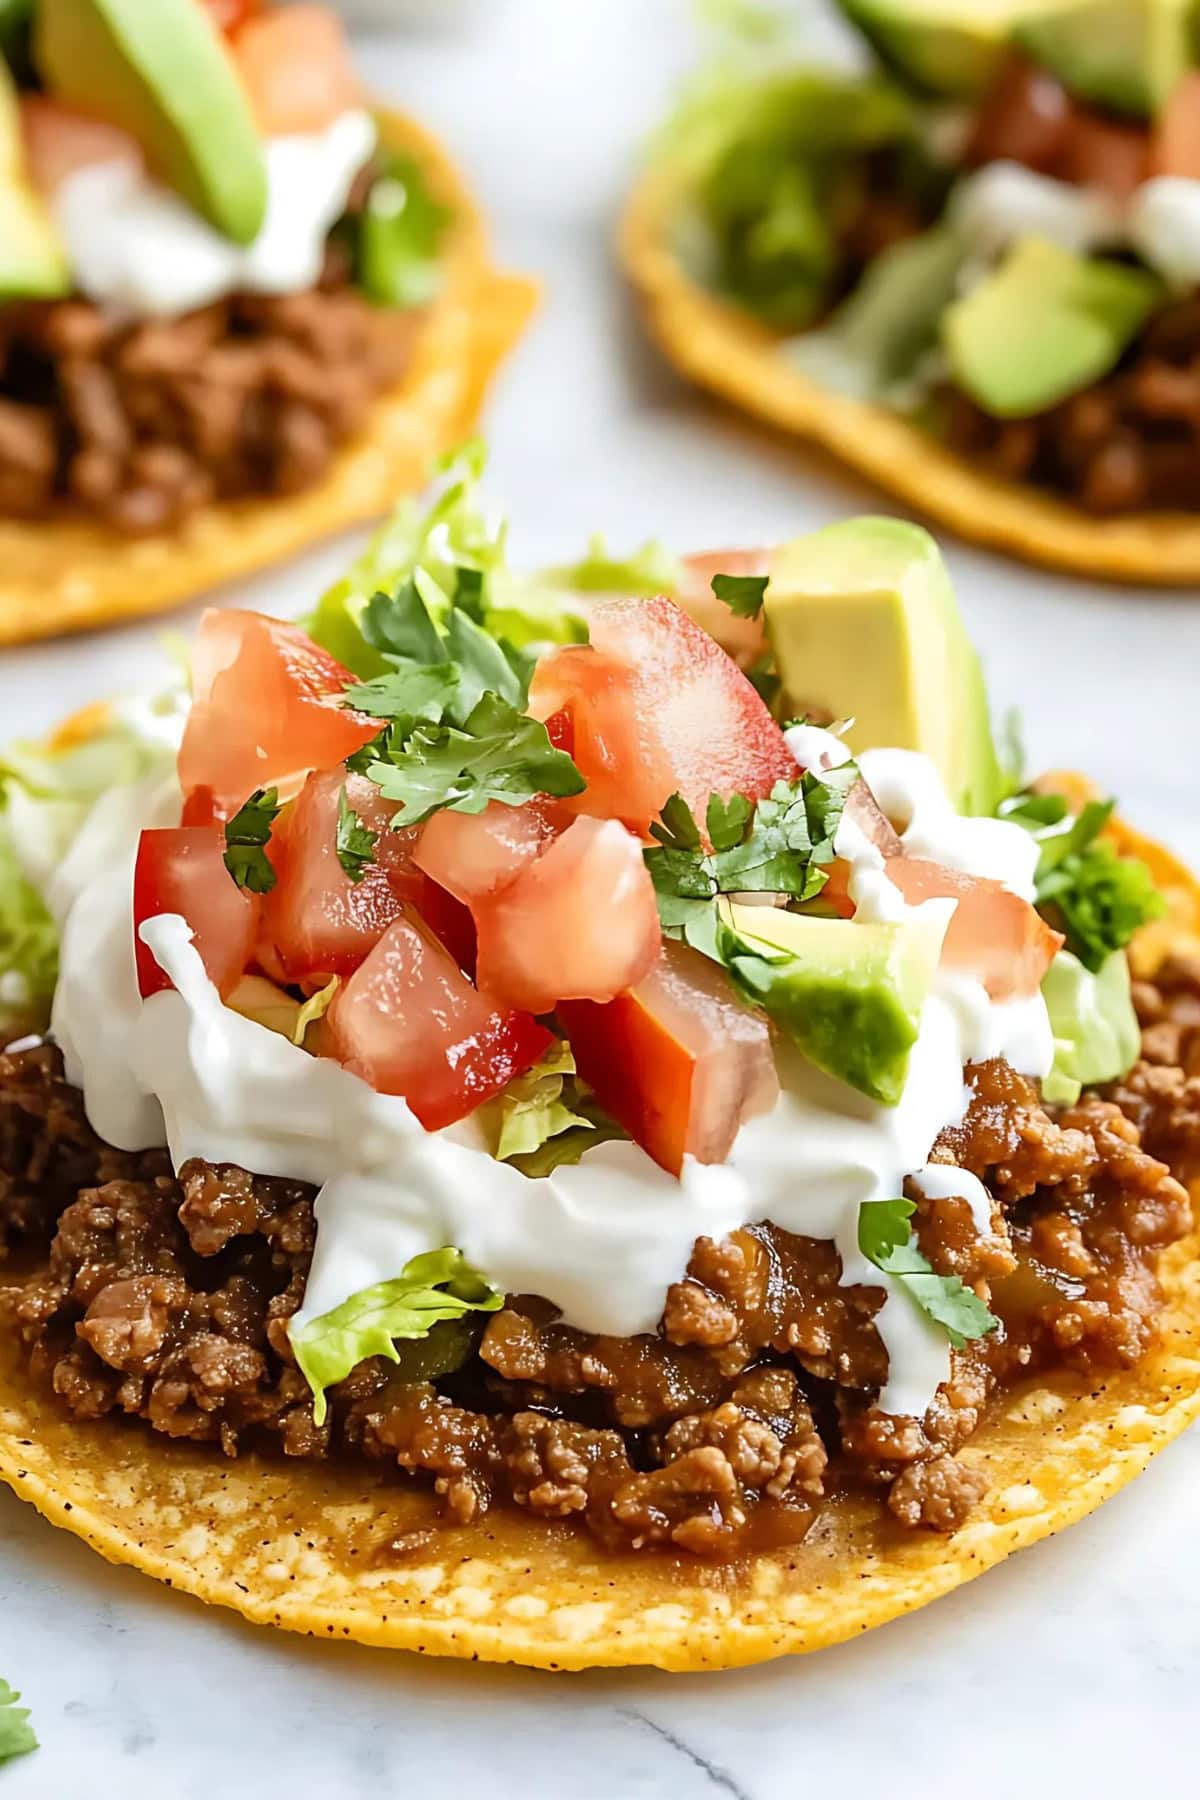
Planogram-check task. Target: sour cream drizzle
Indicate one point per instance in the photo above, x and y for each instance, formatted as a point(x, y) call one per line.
point(136, 247)
point(603, 1239)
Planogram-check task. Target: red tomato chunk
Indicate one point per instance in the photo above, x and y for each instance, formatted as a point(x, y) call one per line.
point(182, 870)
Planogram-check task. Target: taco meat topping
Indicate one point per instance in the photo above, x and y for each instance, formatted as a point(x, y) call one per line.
point(723, 1432)
point(140, 424)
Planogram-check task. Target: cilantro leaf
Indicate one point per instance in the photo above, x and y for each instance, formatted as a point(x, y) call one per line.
point(397, 238)
point(497, 754)
point(885, 1239)
point(355, 841)
point(778, 846)
point(246, 837)
point(407, 695)
point(17, 1736)
point(1097, 898)
point(742, 594)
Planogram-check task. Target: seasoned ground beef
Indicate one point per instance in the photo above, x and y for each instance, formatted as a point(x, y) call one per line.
point(169, 1298)
point(140, 424)
point(1129, 443)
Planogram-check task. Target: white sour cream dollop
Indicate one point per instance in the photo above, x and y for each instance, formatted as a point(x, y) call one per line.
point(136, 247)
point(603, 1239)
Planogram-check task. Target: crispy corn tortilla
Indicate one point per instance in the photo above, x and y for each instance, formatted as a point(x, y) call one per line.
point(725, 349)
point(69, 573)
point(305, 1546)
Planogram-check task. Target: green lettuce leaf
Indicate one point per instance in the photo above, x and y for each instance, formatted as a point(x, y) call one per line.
point(1096, 1032)
point(647, 571)
point(45, 795)
point(440, 1285)
point(398, 235)
point(17, 1736)
point(534, 1107)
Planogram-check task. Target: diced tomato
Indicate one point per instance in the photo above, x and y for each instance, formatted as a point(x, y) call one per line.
point(60, 142)
point(744, 639)
point(316, 921)
point(267, 708)
point(994, 934)
point(657, 707)
point(295, 65)
point(229, 15)
point(473, 855)
point(1175, 148)
point(409, 1022)
point(561, 732)
point(182, 870)
point(677, 1062)
point(581, 923)
point(1110, 154)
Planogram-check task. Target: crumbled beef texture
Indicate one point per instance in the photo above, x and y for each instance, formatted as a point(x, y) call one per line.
point(1129, 443)
point(140, 424)
point(169, 1299)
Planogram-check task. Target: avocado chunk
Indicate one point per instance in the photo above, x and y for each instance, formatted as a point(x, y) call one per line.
point(33, 265)
point(1124, 54)
point(864, 623)
point(1044, 325)
point(162, 73)
point(1096, 1032)
point(848, 995)
point(948, 47)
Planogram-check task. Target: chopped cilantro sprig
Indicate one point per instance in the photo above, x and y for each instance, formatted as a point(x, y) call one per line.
point(355, 842)
point(886, 1239)
point(742, 594)
point(1097, 898)
point(779, 846)
point(246, 837)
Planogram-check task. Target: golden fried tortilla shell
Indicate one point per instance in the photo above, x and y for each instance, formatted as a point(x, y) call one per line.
point(305, 1546)
point(724, 349)
point(69, 573)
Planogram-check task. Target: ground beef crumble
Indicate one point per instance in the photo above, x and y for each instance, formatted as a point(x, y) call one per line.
point(168, 1298)
point(139, 424)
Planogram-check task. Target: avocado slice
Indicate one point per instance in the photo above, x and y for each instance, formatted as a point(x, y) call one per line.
point(947, 47)
point(863, 622)
point(1043, 325)
point(33, 264)
point(1124, 54)
point(848, 995)
point(162, 73)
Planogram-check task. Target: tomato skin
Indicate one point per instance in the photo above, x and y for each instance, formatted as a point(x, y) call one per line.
point(295, 65)
point(744, 639)
point(266, 709)
point(994, 935)
point(58, 142)
point(182, 870)
point(657, 707)
point(1110, 154)
point(229, 15)
point(580, 923)
point(1175, 149)
point(676, 1061)
point(410, 1023)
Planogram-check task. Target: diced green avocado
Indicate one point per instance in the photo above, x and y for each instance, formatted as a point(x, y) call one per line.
point(161, 71)
point(1096, 1032)
point(848, 995)
point(1044, 325)
point(33, 265)
point(864, 623)
point(948, 47)
point(1124, 54)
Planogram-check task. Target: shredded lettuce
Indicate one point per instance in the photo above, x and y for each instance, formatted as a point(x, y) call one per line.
point(647, 571)
point(534, 1107)
point(46, 791)
point(438, 1286)
point(399, 235)
point(17, 1736)
point(1096, 1032)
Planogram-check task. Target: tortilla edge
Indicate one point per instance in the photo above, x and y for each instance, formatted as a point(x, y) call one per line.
point(723, 349)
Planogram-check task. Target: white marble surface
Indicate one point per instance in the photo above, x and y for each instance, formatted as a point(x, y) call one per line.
point(1073, 1669)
